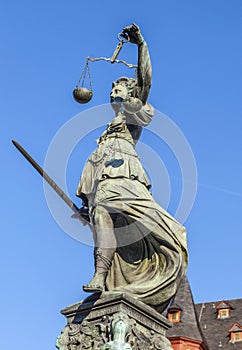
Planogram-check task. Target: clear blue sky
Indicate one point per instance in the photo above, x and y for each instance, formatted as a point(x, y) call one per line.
point(196, 52)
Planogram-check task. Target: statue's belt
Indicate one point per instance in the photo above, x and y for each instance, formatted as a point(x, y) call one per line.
point(117, 150)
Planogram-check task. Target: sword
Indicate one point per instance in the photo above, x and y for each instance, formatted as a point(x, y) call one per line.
point(47, 178)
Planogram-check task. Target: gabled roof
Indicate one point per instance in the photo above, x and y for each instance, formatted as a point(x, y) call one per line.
point(174, 307)
point(188, 326)
point(223, 305)
point(236, 328)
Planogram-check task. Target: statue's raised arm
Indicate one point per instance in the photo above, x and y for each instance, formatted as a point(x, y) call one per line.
point(144, 71)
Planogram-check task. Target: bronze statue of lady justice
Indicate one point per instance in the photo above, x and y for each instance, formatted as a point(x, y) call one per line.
point(140, 249)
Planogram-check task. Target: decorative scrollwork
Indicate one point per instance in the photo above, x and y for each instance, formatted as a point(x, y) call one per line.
point(111, 333)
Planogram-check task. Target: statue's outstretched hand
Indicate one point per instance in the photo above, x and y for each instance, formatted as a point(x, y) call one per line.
point(132, 34)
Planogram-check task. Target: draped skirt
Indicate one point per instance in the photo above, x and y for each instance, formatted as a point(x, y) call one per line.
point(151, 254)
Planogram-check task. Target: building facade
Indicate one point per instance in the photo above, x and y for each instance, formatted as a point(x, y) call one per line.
point(205, 326)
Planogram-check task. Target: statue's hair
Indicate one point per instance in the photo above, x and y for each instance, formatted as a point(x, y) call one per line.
point(130, 83)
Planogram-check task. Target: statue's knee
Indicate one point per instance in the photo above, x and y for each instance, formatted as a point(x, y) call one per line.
point(101, 216)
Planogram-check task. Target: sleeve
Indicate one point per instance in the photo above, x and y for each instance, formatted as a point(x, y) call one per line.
point(144, 116)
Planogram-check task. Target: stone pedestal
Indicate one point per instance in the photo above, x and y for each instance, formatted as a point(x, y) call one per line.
point(113, 321)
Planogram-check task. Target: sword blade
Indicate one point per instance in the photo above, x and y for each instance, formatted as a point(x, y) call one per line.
point(47, 178)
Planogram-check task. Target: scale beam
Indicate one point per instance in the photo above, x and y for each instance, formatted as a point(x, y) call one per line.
point(129, 65)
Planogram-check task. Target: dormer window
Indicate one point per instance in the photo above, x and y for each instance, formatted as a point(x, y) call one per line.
point(223, 310)
point(236, 333)
point(174, 314)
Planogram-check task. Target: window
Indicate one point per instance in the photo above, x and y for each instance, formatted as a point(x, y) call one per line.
point(223, 313)
point(174, 316)
point(237, 336)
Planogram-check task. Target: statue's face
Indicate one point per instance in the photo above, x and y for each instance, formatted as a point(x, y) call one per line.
point(119, 93)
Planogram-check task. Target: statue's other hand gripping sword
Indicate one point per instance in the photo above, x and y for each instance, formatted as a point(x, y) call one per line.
point(78, 212)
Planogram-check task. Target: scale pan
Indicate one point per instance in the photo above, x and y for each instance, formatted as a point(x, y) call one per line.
point(82, 95)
